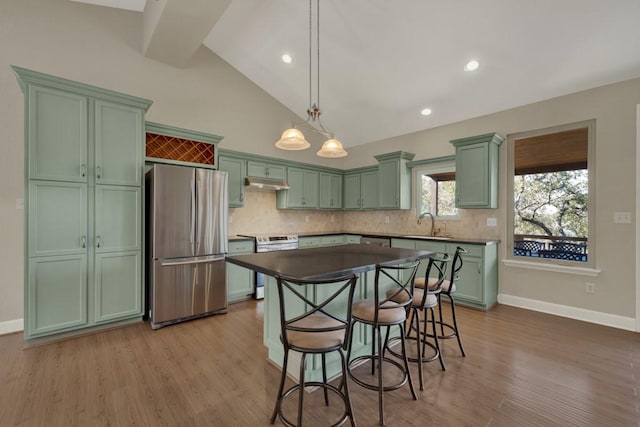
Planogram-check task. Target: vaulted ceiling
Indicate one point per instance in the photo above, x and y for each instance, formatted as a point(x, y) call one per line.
point(382, 62)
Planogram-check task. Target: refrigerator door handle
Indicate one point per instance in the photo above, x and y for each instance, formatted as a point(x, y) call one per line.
point(193, 212)
point(193, 261)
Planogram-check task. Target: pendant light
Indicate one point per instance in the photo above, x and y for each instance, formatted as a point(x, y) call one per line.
point(293, 138)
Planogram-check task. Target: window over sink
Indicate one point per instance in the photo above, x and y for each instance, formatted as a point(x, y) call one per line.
point(436, 189)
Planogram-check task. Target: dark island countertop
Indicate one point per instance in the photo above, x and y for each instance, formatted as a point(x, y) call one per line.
point(325, 262)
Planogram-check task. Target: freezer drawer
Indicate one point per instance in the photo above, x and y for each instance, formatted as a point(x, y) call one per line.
point(186, 288)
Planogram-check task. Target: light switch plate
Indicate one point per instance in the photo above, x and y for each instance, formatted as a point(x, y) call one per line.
point(622, 217)
point(19, 204)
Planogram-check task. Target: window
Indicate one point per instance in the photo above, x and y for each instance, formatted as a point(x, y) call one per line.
point(436, 189)
point(551, 195)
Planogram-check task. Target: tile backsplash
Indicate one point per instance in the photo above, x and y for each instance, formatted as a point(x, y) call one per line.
point(259, 215)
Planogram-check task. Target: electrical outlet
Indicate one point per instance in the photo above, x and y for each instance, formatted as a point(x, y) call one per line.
point(492, 222)
point(622, 217)
point(386, 220)
point(230, 220)
point(590, 288)
point(333, 218)
point(306, 218)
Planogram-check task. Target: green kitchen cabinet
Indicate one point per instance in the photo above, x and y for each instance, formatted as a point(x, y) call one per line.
point(265, 170)
point(240, 280)
point(302, 192)
point(309, 242)
point(477, 282)
point(477, 171)
point(330, 191)
point(57, 127)
point(118, 218)
point(118, 286)
point(236, 170)
point(361, 189)
point(85, 157)
point(333, 240)
point(57, 218)
point(119, 130)
point(56, 294)
point(394, 180)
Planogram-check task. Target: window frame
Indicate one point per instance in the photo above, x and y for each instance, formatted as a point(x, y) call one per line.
point(431, 166)
point(591, 205)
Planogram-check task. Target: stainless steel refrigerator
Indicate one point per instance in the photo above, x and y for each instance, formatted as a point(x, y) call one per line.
point(187, 211)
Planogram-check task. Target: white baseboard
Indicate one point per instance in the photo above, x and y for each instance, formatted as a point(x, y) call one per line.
point(606, 319)
point(11, 326)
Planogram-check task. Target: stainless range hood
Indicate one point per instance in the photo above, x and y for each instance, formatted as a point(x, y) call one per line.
point(265, 184)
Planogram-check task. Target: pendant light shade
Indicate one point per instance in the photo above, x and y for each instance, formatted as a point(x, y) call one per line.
point(292, 139)
point(332, 148)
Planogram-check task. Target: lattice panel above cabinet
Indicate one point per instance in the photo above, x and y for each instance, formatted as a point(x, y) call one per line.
point(184, 150)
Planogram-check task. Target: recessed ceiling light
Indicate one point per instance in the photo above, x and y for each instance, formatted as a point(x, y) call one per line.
point(286, 58)
point(426, 112)
point(472, 65)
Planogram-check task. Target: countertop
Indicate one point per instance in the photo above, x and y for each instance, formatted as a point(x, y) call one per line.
point(325, 262)
point(463, 240)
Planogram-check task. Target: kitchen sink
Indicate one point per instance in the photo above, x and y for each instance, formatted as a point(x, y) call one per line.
point(429, 237)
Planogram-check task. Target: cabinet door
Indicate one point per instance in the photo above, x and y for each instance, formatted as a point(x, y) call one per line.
point(57, 218)
point(352, 198)
point(369, 190)
point(237, 170)
point(389, 181)
point(309, 242)
point(240, 282)
point(472, 176)
point(56, 294)
point(118, 286)
point(470, 285)
point(57, 135)
point(330, 191)
point(118, 218)
point(295, 193)
point(119, 144)
point(265, 170)
point(310, 190)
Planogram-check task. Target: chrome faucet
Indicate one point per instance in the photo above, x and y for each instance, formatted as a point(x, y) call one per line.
point(422, 215)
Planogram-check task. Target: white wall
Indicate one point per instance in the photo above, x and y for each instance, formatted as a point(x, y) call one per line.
point(102, 46)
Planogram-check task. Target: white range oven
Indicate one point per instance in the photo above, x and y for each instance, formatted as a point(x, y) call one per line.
point(271, 244)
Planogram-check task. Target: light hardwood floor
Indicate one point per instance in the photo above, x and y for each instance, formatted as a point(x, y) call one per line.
point(522, 369)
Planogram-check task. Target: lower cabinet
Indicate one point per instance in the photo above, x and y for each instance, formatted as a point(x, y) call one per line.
point(118, 285)
point(240, 280)
point(477, 283)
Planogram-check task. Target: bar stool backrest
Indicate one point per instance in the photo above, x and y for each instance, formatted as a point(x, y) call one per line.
point(436, 272)
point(399, 286)
point(301, 306)
point(456, 266)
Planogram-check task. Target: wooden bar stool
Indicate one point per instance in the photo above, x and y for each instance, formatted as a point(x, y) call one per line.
point(379, 312)
point(317, 325)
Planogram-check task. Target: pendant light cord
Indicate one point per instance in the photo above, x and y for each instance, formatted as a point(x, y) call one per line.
point(318, 49)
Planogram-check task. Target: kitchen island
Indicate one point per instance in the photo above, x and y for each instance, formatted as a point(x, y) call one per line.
point(320, 263)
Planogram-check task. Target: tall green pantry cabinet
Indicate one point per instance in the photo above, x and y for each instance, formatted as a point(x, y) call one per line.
point(84, 162)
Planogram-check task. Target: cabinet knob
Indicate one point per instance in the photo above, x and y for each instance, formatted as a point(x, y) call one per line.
point(98, 240)
point(83, 170)
point(241, 197)
point(83, 241)
point(98, 172)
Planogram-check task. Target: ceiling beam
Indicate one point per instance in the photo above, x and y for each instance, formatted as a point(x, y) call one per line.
point(174, 29)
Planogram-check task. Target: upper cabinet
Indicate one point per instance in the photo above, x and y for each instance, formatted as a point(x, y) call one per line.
point(477, 171)
point(330, 191)
point(236, 169)
point(265, 170)
point(394, 180)
point(361, 189)
point(302, 192)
